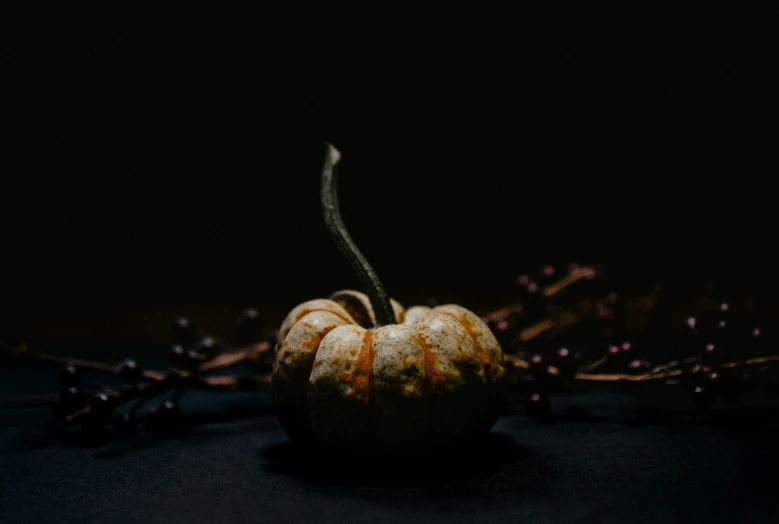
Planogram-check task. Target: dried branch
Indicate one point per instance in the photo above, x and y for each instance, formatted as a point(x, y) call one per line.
point(574, 276)
point(23, 351)
point(237, 356)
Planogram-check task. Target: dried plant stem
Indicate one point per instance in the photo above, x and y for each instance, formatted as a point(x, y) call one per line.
point(537, 329)
point(154, 380)
point(549, 291)
point(516, 361)
point(220, 361)
point(503, 313)
point(81, 363)
point(673, 364)
point(658, 373)
point(572, 277)
point(618, 377)
point(594, 365)
point(237, 356)
point(751, 361)
point(235, 383)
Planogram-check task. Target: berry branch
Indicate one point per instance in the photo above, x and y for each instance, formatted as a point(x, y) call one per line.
point(552, 314)
point(188, 370)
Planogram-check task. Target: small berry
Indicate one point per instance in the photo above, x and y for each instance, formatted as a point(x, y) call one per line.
point(565, 364)
point(183, 331)
point(702, 397)
point(754, 344)
point(129, 371)
point(538, 406)
point(248, 327)
point(548, 275)
point(639, 366)
point(713, 377)
point(502, 326)
point(101, 405)
point(539, 372)
point(177, 358)
point(70, 376)
point(207, 346)
point(534, 303)
point(195, 357)
point(505, 333)
point(70, 400)
point(537, 365)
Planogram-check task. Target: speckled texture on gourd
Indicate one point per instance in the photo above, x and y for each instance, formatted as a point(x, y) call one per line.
point(435, 378)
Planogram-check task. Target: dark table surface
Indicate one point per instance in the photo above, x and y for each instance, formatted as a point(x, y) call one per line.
point(613, 454)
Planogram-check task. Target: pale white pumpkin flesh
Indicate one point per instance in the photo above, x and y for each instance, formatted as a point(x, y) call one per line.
point(436, 378)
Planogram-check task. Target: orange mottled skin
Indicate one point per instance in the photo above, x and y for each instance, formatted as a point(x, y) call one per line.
point(433, 377)
point(439, 377)
point(360, 376)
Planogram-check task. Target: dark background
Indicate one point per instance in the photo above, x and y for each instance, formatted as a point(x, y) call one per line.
point(160, 160)
point(163, 160)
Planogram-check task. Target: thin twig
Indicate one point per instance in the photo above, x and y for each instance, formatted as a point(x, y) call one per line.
point(667, 372)
point(572, 277)
point(751, 361)
point(593, 365)
point(516, 361)
point(504, 312)
point(220, 361)
point(549, 291)
point(619, 377)
point(81, 363)
point(537, 329)
point(235, 383)
point(657, 373)
point(673, 364)
point(231, 358)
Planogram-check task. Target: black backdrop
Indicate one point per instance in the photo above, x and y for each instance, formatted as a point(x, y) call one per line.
point(162, 159)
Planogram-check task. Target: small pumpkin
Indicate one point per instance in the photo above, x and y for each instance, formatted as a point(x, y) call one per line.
point(360, 372)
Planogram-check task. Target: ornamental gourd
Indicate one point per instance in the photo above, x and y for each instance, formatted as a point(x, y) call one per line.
point(360, 372)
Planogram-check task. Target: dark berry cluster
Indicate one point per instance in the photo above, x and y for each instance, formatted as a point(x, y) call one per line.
point(122, 410)
point(568, 325)
point(528, 332)
point(722, 343)
point(545, 376)
point(577, 308)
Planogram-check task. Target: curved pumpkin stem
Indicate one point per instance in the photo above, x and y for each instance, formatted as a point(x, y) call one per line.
point(369, 280)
